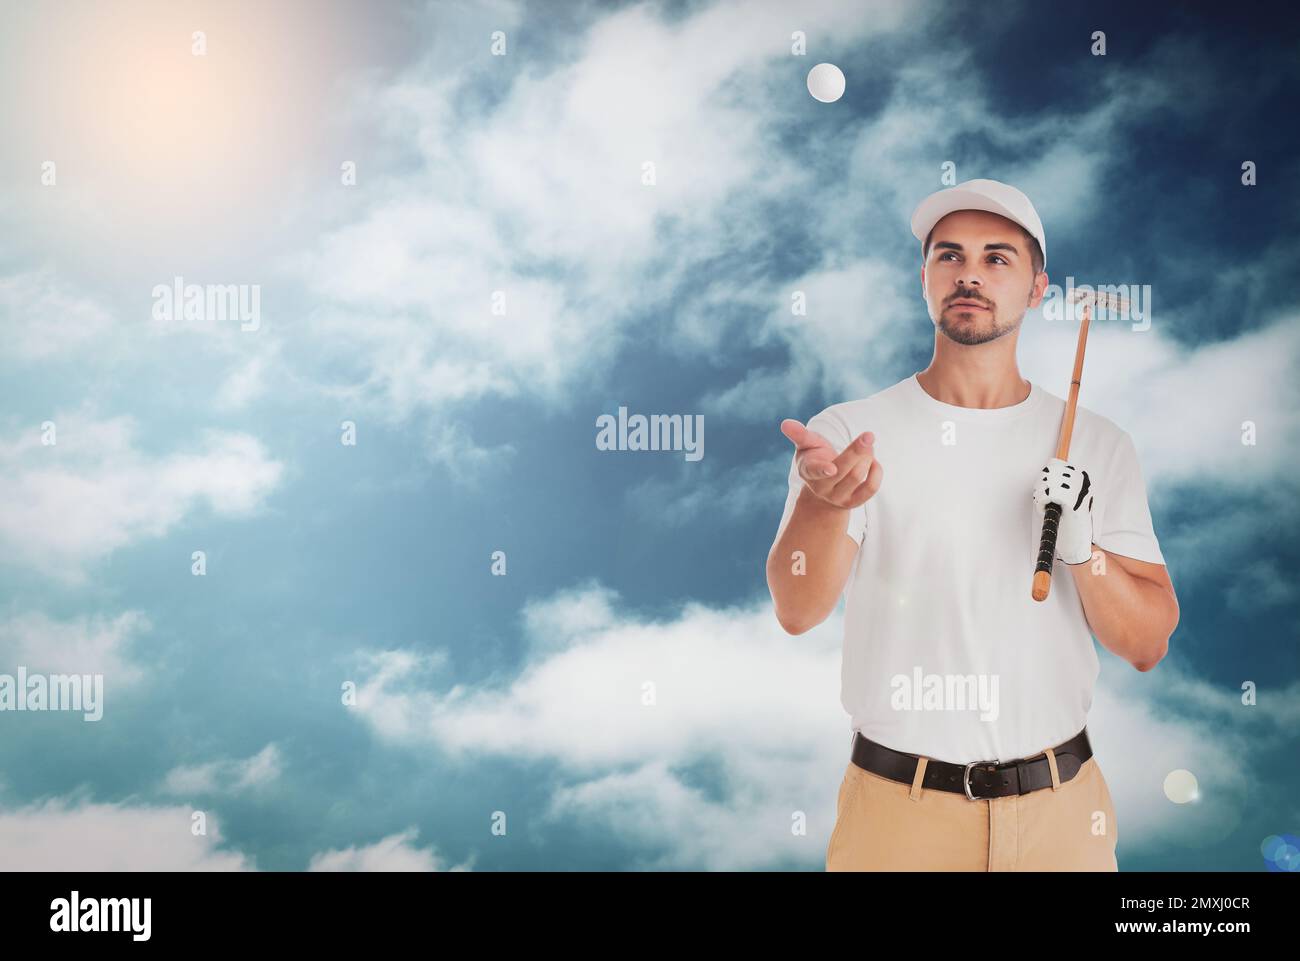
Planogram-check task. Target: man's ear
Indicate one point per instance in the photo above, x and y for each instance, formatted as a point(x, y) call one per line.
point(1040, 287)
point(923, 282)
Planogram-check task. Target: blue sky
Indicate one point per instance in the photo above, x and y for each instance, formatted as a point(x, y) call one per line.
point(373, 563)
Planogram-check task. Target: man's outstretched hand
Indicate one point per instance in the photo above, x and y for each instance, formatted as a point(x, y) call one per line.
point(845, 481)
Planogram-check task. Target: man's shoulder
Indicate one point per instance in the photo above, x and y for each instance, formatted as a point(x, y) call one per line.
point(1087, 422)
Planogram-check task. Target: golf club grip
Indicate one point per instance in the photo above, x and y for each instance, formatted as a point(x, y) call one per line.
point(1046, 551)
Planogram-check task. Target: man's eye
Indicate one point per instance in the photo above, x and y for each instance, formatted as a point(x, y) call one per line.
point(1001, 258)
point(947, 253)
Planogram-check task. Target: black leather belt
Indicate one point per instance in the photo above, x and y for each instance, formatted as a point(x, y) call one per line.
point(978, 780)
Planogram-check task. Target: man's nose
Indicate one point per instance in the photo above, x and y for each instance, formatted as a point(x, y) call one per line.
point(969, 280)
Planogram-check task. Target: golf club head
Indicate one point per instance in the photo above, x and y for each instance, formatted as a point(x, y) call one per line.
point(1097, 299)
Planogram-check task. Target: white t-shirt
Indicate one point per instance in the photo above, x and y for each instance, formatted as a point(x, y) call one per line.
point(941, 581)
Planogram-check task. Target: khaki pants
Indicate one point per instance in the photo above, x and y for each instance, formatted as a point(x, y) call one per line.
point(884, 825)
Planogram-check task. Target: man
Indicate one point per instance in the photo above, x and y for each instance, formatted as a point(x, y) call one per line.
point(968, 699)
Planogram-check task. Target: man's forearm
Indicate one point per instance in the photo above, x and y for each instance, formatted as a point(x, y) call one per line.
point(1130, 616)
point(806, 587)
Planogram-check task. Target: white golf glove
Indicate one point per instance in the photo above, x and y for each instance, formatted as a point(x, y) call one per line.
point(1070, 486)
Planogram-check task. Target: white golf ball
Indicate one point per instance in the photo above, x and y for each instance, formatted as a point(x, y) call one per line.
point(826, 82)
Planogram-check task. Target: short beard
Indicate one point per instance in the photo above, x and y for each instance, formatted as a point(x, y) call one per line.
point(971, 334)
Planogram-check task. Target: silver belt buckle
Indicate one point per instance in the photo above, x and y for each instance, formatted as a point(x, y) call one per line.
point(965, 778)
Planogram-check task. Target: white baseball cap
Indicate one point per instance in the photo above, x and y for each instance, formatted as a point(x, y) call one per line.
point(991, 195)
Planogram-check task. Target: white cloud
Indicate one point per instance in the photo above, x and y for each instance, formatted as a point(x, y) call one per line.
point(62, 835)
point(758, 711)
point(397, 852)
point(861, 319)
point(96, 490)
point(71, 834)
point(1184, 407)
point(41, 317)
point(226, 776)
point(541, 198)
point(609, 660)
point(1144, 725)
point(451, 446)
point(732, 689)
point(248, 381)
point(80, 645)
